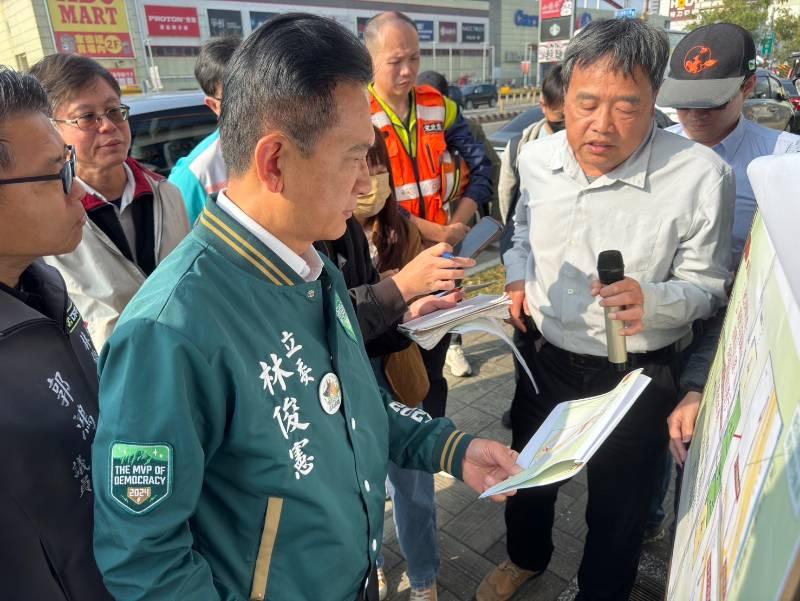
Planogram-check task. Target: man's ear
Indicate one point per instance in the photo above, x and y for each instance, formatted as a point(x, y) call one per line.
point(748, 86)
point(214, 104)
point(270, 161)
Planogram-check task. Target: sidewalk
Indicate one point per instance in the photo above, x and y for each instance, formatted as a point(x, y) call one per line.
point(472, 531)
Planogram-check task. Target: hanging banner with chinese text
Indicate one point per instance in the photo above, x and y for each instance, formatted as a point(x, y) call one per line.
point(95, 28)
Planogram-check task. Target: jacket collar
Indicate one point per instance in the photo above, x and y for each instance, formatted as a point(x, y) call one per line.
point(49, 285)
point(143, 181)
point(215, 227)
point(632, 171)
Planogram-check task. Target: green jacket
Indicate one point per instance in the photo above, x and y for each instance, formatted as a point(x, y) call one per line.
point(223, 466)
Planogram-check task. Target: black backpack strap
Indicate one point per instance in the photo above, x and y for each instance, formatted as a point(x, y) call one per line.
point(508, 230)
point(513, 150)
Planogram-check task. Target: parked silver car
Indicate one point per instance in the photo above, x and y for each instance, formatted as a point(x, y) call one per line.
point(167, 126)
point(769, 105)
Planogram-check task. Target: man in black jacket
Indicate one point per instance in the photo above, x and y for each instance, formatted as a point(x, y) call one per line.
point(48, 381)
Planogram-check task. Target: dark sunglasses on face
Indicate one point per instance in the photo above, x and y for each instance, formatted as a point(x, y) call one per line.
point(66, 175)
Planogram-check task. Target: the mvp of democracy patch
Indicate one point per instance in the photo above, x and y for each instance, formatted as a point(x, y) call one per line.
point(141, 475)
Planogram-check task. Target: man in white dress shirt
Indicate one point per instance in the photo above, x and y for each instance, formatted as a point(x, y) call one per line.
point(613, 181)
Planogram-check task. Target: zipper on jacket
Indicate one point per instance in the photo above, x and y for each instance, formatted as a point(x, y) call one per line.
point(21, 326)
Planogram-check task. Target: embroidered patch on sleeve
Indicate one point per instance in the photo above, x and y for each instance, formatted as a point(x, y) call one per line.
point(344, 320)
point(141, 475)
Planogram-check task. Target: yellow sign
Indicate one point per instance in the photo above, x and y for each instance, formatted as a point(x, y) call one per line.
point(96, 28)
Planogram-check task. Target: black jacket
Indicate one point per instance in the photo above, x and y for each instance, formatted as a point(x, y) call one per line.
point(48, 415)
point(379, 305)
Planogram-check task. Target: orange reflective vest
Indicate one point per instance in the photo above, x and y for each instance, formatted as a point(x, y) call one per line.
point(433, 174)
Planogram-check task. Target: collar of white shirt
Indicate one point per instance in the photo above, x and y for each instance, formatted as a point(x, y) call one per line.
point(127, 193)
point(632, 171)
point(308, 265)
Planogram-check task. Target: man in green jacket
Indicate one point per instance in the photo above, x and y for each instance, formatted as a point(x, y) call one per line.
point(242, 443)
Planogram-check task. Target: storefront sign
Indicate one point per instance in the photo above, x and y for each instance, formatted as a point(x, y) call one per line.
point(361, 25)
point(257, 19)
point(172, 21)
point(425, 30)
point(448, 32)
point(96, 28)
point(555, 29)
point(224, 22)
point(682, 10)
point(522, 19)
point(126, 78)
point(473, 32)
point(552, 9)
point(552, 52)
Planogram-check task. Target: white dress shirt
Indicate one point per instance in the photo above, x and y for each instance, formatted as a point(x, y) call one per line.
point(308, 265)
point(668, 208)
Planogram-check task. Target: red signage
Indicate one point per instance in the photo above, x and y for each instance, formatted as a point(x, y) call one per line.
point(125, 77)
point(552, 9)
point(448, 32)
point(172, 21)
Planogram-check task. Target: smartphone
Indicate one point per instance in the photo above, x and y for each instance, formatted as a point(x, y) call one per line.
point(486, 231)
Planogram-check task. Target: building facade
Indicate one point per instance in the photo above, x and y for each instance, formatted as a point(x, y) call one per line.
point(153, 44)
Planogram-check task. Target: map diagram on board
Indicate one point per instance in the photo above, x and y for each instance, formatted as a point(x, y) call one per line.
point(739, 521)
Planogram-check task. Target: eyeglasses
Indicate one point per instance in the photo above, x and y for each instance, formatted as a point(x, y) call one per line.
point(66, 175)
point(117, 114)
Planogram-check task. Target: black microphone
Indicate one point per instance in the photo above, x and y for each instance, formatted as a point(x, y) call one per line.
point(610, 269)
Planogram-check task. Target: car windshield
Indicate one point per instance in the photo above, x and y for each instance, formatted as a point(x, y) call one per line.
point(790, 88)
point(159, 139)
point(523, 120)
point(468, 89)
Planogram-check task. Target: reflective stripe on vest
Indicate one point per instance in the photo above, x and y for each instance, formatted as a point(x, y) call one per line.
point(427, 172)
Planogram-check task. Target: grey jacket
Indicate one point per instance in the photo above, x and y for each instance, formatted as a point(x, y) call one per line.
point(101, 280)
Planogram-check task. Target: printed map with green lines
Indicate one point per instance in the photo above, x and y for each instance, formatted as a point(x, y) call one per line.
point(738, 529)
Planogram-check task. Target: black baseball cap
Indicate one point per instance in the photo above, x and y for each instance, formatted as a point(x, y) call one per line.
point(708, 67)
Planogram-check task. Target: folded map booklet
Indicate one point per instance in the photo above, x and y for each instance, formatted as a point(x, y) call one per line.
point(571, 434)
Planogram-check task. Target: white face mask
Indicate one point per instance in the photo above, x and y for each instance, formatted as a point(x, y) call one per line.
point(371, 204)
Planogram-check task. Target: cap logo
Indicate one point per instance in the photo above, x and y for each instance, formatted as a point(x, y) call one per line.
point(698, 59)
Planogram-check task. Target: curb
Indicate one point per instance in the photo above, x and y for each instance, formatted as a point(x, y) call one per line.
point(504, 116)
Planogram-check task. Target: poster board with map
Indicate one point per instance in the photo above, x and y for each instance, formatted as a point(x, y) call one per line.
point(738, 531)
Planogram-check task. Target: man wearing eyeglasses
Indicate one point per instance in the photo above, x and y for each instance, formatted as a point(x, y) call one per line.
point(48, 396)
point(712, 73)
point(135, 216)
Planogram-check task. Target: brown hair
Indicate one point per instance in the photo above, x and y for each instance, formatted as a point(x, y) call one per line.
point(63, 75)
point(392, 235)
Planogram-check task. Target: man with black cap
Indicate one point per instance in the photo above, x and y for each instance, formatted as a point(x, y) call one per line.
point(712, 72)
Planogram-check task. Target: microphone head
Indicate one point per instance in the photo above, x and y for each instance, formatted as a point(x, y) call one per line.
point(610, 267)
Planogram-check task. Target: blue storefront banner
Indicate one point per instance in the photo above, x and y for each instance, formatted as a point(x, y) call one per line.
point(425, 30)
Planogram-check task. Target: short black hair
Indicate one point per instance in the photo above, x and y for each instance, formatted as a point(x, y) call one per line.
point(627, 43)
point(373, 27)
point(19, 94)
point(209, 70)
point(553, 87)
point(434, 79)
point(283, 77)
point(63, 75)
